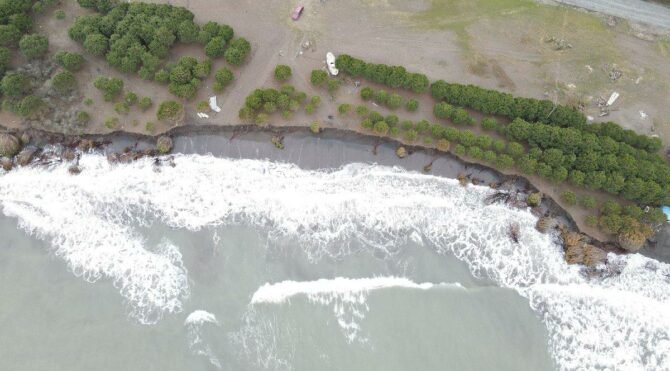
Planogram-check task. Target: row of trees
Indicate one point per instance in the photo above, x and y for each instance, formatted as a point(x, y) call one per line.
point(391, 76)
point(391, 101)
point(137, 37)
point(263, 102)
point(457, 115)
point(598, 163)
point(534, 110)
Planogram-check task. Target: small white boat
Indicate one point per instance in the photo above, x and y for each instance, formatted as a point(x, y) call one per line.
point(330, 62)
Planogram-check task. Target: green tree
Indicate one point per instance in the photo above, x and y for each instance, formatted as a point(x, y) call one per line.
point(588, 202)
point(443, 110)
point(34, 46)
point(318, 77)
point(9, 35)
point(30, 106)
point(145, 103)
point(223, 78)
point(344, 109)
point(96, 44)
point(515, 149)
point(237, 52)
point(15, 84)
point(216, 47)
point(504, 161)
point(394, 101)
point(72, 62)
point(64, 82)
point(489, 123)
point(282, 72)
point(381, 128)
point(412, 105)
point(111, 87)
point(170, 111)
point(569, 198)
point(411, 135)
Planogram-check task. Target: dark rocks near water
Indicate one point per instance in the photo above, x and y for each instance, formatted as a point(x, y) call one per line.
point(164, 144)
point(6, 163)
point(26, 155)
point(9, 145)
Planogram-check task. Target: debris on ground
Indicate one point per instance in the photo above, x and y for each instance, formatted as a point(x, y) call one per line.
point(559, 44)
point(203, 115)
point(643, 115)
point(612, 98)
point(589, 68)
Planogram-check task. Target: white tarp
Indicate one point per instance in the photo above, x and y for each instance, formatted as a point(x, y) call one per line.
point(213, 105)
point(203, 115)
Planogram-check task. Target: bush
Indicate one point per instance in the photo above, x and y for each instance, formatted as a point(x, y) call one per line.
point(411, 135)
point(145, 103)
point(588, 202)
point(64, 82)
point(72, 62)
point(362, 111)
point(318, 77)
point(310, 108)
point(83, 117)
point(367, 124)
point(392, 120)
point(130, 98)
point(282, 72)
point(394, 101)
point(112, 123)
point(515, 149)
point(96, 44)
point(504, 162)
point(111, 87)
point(315, 100)
point(344, 109)
point(88, 101)
point(216, 47)
point(381, 128)
point(15, 84)
point(534, 199)
point(443, 145)
point(150, 126)
point(459, 150)
point(333, 85)
point(412, 105)
point(223, 78)
point(489, 124)
point(591, 220)
point(237, 52)
point(30, 106)
point(121, 108)
point(380, 97)
point(60, 14)
point(569, 198)
point(170, 111)
point(9, 35)
point(315, 127)
point(34, 46)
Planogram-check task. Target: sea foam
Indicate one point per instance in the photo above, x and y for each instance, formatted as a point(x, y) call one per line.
point(91, 222)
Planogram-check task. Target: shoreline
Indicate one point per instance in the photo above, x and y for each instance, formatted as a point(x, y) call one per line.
point(332, 148)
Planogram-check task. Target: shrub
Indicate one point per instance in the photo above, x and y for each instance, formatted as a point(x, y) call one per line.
point(121, 108)
point(9, 35)
point(569, 198)
point(112, 123)
point(459, 150)
point(381, 97)
point(15, 84)
point(515, 149)
point(490, 157)
point(34, 46)
point(30, 106)
point(362, 111)
point(367, 93)
point(392, 120)
point(411, 135)
point(499, 145)
point(64, 82)
point(60, 14)
point(110, 87)
point(310, 108)
point(83, 117)
point(588, 202)
point(96, 44)
point(130, 98)
point(145, 103)
point(443, 110)
point(407, 125)
point(489, 124)
point(381, 128)
point(344, 109)
point(315, 100)
point(215, 47)
point(282, 72)
point(591, 220)
point(170, 111)
point(203, 69)
point(412, 105)
point(88, 101)
point(534, 199)
point(333, 85)
point(394, 101)
point(223, 78)
point(72, 62)
point(150, 126)
point(202, 106)
point(475, 152)
point(318, 77)
point(315, 127)
point(443, 145)
point(237, 52)
point(367, 124)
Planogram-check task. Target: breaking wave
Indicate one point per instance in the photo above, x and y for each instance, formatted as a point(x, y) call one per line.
point(91, 221)
point(346, 295)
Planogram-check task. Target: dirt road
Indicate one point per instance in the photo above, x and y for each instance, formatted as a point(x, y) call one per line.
point(634, 10)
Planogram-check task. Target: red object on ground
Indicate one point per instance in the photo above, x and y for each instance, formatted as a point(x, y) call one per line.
point(297, 12)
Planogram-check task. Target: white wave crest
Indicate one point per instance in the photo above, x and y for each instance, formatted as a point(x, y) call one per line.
point(194, 326)
point(347, 295)
point(90, 220)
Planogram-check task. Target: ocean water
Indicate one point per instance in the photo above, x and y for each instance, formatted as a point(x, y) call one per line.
point(223, 263)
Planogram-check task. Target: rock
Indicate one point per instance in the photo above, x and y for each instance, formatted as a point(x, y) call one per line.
point(574, 254)
point(594, 256)
point(68, 154)
point(543, 224)
point(9, 145)
point(26, 155)
point(25, 138)
point(112, 157)
point(534, 199)
point(278, 142)
point(401, 152)
point(86, 145)
point(164, 144)
point(462, 179)
point(74, 169)
point(6, 163)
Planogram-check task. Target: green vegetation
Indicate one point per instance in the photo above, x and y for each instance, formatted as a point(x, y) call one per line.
point(223, 78)
point(112, 123)
point(137, 38)
point(150, 126)
point(315, 127)
point(34, 46)
point(391, 76)
point(318, 77)
point(15, 84)
point(412, 105)
point(88, 101)
point(184, 78)
point(72, 62)
point(111, 88)
point(64, 82)
point(170, 111)
point(588, 202)
point(145, 103)
point(130, 98)
point(263, 102)
point(60, 14)
point(282, 72)
point(83, 117)
point(344, 109)
point(122, 108)
point(30, 106)
point(569, 197)
point(458, 116)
